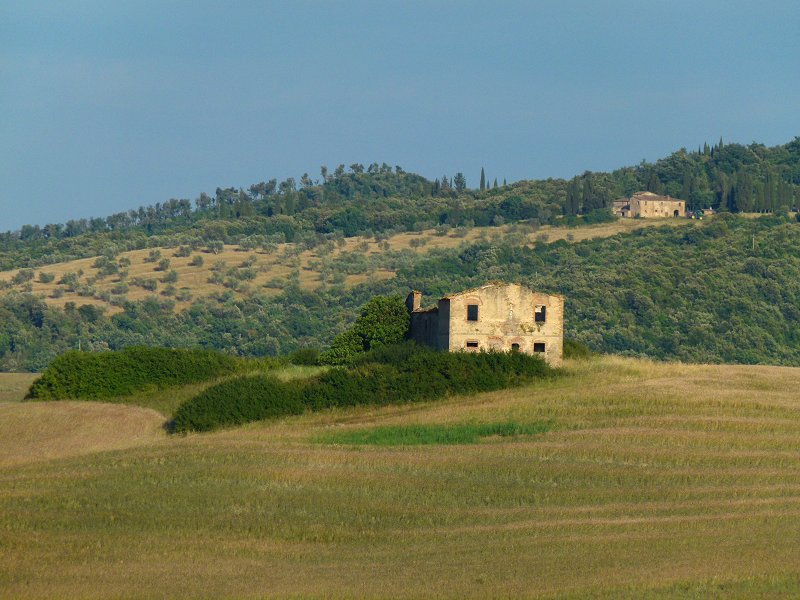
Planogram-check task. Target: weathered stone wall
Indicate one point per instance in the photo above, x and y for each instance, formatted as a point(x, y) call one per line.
point(660, 207)
point(506, 316)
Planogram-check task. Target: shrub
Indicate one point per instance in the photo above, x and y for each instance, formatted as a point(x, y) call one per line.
point(305, 356)
point(197, 261)
point(249, 261)
point(171, 277)
point(46, 277)
point(147, 284)
point(92, 376)
point(106, 266)
point(215, 246)
point(23, 276)
point(69, 279)
point(383, 320)
point(153, 256)
point(163, 264)
point(390, 374)
point(599, 215)
point(575, 349)
point(238, 401)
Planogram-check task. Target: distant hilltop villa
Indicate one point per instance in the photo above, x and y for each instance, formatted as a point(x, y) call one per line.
point(649, 205)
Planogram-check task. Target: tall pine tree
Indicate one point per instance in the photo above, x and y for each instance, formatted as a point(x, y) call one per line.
point(483, 180)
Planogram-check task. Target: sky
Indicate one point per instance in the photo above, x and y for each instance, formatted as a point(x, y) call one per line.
point(107, 106)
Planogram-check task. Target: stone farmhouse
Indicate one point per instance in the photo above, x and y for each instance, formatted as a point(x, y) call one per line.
point(649, 205)
point(496, 316)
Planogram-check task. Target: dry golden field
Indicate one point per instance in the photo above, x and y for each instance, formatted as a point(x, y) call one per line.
point(654, 481)
point(14, 386)
point(272, 270)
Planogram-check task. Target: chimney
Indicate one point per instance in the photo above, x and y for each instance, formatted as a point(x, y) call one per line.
point(414, 301)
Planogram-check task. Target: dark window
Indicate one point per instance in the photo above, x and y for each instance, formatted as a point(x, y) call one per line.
point(538, 346)
point(472, 344)
point(472, 312)
point(515, 347)
point(540, 314)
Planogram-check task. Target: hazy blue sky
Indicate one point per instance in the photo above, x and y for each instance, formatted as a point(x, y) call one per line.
point(108, 105)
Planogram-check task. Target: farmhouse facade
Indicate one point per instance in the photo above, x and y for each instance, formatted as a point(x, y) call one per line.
point(649, 205)
point(496, 316)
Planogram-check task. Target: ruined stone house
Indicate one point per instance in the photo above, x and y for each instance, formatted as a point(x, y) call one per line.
point(649, 205)
point(496, 316)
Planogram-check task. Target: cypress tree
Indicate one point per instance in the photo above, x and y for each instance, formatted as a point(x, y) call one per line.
point(483, 180)
point(686, 190)
point(573, 196)
point(495, 183)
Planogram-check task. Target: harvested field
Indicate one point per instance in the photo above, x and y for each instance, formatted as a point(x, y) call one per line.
point(651, 481)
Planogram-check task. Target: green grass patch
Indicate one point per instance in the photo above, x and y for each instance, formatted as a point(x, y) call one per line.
point(424, 435)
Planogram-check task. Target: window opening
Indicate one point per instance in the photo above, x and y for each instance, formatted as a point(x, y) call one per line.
point(538, 347)
point(540, 314)
point(472, 312)
point(515, 347)
point(472, 344)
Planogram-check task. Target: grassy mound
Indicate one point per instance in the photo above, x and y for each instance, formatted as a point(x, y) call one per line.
point(387, 375)
point(96, 376)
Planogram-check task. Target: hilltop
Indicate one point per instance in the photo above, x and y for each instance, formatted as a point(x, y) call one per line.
point(277, 267)
point(666, 480)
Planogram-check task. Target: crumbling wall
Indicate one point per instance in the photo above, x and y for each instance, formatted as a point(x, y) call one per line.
point(506, 320)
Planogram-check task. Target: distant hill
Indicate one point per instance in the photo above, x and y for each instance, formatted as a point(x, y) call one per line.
point(276, 267)
point(382, 199)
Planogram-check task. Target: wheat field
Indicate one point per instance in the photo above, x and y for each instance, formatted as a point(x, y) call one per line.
point(652, 480)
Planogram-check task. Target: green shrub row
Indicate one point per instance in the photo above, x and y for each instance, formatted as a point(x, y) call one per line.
point(99, 375)
point(237, 401)
point(388, 375)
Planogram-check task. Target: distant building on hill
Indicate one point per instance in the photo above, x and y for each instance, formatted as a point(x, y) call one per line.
point(496, 316)
point(649, 205)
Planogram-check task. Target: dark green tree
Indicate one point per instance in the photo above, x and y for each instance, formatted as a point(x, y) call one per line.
point(460, 182)
point(483, 180)
point(383, 320)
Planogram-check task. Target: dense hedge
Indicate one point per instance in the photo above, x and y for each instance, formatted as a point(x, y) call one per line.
point(387, 375)
point(99, 375)
point(410, 373)
point(238, 401)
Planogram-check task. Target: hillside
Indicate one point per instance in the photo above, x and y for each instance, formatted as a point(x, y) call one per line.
point(724, 290)
point(668, 480)
point(247, 271)
point(277, 267)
